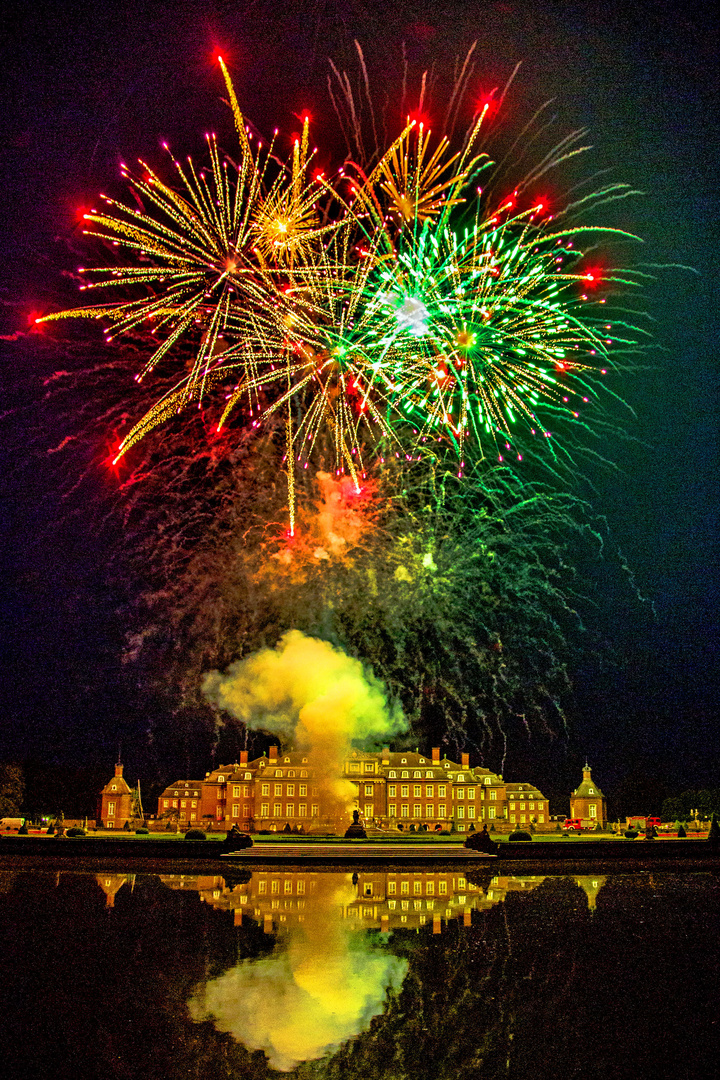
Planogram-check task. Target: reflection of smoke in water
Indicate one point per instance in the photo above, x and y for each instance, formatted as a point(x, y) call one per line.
point(315, 698)
point(299, 1003)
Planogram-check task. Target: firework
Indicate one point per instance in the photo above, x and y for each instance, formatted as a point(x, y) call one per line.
point(400, 309)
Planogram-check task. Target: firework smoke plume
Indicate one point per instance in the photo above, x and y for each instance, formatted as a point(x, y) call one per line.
point(315, 698)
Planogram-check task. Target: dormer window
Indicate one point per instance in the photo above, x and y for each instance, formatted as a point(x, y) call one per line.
point(461, 778)
point(113, 788)
point(404, 774)
point(291, 772)
point(287, 760)
point(403, 761)
point(446, 764)
point(303, 772)
point(220, 780)
point(248, 776)
point(304, 761)
point(592, 791)
point(392, 774)
point(278, 772)
point(417, 775)
point(488, 780)
point(422, 760)
point(429, 774)
point(263, 764)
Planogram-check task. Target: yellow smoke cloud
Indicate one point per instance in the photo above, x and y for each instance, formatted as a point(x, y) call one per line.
point(304, 1001)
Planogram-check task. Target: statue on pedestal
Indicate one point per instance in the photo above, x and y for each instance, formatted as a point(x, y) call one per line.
point(355, 831)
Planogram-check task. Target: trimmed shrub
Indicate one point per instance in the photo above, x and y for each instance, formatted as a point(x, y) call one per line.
point(142, 832)
point(519, 835)
point(681, 832)
point(195, 834)
point(630, 834)
point(77, 831)
point(23, 830)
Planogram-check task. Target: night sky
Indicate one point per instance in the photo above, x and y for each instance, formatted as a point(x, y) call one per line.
point(88, 85)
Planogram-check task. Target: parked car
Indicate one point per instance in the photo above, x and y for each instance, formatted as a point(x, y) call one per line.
point(573, 823)
point(652, 821)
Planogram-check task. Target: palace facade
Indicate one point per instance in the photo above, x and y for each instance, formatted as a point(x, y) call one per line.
point(391, 790)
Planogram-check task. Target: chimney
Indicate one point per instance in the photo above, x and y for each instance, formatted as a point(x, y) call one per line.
point(272, 754)
point(243, 757)
point(118, 769)
point(386, 755)
point(436, 755)
point(465, 758)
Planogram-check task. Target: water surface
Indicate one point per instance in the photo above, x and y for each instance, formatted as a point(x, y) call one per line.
point(377, 975)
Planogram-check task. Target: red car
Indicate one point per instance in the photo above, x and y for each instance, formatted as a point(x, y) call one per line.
point(652, 821)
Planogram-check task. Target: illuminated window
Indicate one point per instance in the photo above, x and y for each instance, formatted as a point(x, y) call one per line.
point(368, 789)
point(541, 817)
point(277, 809)
point(404, 887)
point(262, 886)
point(591, 790)
point(471, 793)
point(404, 810)
point(183, 802)
point(114, 788)
point(303, 772)
point(266, 789)
point(593, 810)
point(487, 780)
point(429, 790)
point(522, 817)
point(236, 791)
point(290, 809)
point(461, 778)
point(246, 810)
point(303, 791)
point(291, 772)
point(220, 780)
point(392, 774)
point(368, 809)
point(288, 885)
point(301, 888)
point(417, 810)
point(441, 791)
point(460, 810)
point(392, 790)
point(460, 793)
point(417, 791)
point(404, 790)
point(404, 774)
point(166, 803)
point(278, 772)
point(275, 886)
point(369, 766)
point(278, 789)
point(429, 888)
point(391, 888)
point(429, 774)
point(512, 817)
point(429, 810)
point(471, 812)
point(493, 796)
point(193, 815)
point(111, 809)
point(302, 810)
point(265, 809)
point(290, 790)
point(315, 810)
point(491, 812)
point(417, 776)
point(441, 810)
point(442, 888)
point(391, 809)
point(417, 887)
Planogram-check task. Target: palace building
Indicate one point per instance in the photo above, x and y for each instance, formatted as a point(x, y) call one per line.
point(392, 789)
point(587, 802)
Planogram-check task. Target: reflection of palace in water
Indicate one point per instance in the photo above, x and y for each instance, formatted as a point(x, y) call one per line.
point(380, 900)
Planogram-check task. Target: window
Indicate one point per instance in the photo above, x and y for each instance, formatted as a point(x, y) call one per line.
point(417, 810)
point(114, 788)
point(417, 887)
point(512, 817)
point(541, 817)
point(531, 805)
point(391, 888)
point(403, 761)
point(404, 790)
point(266, 789)
point(278, 772)
point(236, 791)
point(471, 793)
point(460, 793)
point(417, 791)
point(417, 776)
point(301, 888)
point(404, 810)
point(262, 887)
point(442, 888)
point(471, 812)
point(429, 809)
point(487, 780)
point(522, 805)
point(493, 796)
point(491, 812)
point(429, 790)
point(593, 810)
point(291, 772)
point(302, 810)
point(193, 815)
point(265, 810)
point(391, 809)
point(522, 817)
point(461, 778)
point(274, 886)
point(392, 790)
point(404, 887)
point(368, 809)
point(194, 802)
point(441, 810)
point(303, 772)
point(235, 810)
point(277, 809)
point(392, 774)
point(591, 790)
point(290, 790)
point(315, 810)
point(429, 888)
point(246, 811)
point(369, 766)
point(166, 803)
point(429, 774)
point(248, 776)
point(220, 780)
point(354, 766)
point(404, 774)
point(183, 802)
point(289, 809)
point(368, 789)
point(441, 791)
point(303, 791)
point(460, 811)
point(288, 885)
point(278, 789)
point(111, 809)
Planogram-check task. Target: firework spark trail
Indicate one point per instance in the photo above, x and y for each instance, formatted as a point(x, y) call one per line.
point(405, 309)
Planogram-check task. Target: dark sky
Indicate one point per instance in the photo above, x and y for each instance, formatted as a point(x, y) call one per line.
point(88, 85)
